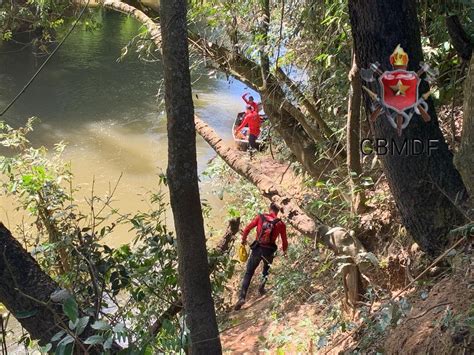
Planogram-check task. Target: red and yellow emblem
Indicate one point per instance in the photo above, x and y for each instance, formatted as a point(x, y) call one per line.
point(398, 90)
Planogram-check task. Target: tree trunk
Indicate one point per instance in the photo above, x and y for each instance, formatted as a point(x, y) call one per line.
point(459, 38)
point(264, 27)
point(426, 187)
point(223, 247)
point(465, 157)
point(25, 288)
point(353, 140)
point(183, 182)
point(340, 240)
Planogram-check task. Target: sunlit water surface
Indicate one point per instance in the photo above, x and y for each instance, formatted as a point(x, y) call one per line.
point(108, 114)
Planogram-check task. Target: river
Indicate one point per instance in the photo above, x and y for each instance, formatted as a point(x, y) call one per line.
point(108, 114)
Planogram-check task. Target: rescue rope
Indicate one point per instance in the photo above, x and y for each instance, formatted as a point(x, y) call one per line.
point(12, 102)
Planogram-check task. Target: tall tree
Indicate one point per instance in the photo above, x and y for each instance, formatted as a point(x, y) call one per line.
point(353, 139)
point(465, 157)
point(183, 182)
point(426, 187)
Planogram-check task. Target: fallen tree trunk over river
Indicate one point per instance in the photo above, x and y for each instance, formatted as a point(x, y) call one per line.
point(295, 127)
point(290, 210)
point(339, 240)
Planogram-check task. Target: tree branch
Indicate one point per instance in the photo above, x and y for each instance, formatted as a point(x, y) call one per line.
point(300, 96)
point(459, 38)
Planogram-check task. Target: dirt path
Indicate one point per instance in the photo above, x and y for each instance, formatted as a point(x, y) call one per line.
point(261, 326)
point(251, 329)
point(247, 326)
point(257, 328)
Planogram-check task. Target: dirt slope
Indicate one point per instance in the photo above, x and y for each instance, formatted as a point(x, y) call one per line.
point(437, 325)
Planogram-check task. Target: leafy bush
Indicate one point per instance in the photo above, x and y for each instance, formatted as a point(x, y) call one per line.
point(116, 293)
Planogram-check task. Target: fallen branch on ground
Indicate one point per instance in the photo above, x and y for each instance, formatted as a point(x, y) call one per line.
point(428, 310)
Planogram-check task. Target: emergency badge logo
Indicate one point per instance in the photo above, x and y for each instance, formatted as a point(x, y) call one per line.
point(398, 98)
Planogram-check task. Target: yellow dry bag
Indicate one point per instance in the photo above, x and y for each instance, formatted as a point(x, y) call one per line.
point(243, 254)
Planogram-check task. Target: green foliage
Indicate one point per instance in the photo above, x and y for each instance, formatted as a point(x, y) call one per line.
point(323, 45)
point(289, 281)
point(26, 314)
point(70, 309)
point(332, 204)
point(279, 338)
point(453, 322)
point(40, 185)
point(244, 198)
point(42, 20)
point(67, 339)
point(439, 52)
point(377, 324)
point(117, 292)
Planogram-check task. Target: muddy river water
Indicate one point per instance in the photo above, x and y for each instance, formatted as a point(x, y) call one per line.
point(108, 114)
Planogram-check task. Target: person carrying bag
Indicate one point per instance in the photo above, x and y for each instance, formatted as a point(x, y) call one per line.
point(263, 248)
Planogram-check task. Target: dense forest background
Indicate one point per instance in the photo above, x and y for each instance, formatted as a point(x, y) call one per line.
point(380, 244)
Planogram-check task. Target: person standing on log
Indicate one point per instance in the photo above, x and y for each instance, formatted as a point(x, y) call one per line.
point(269, 227)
